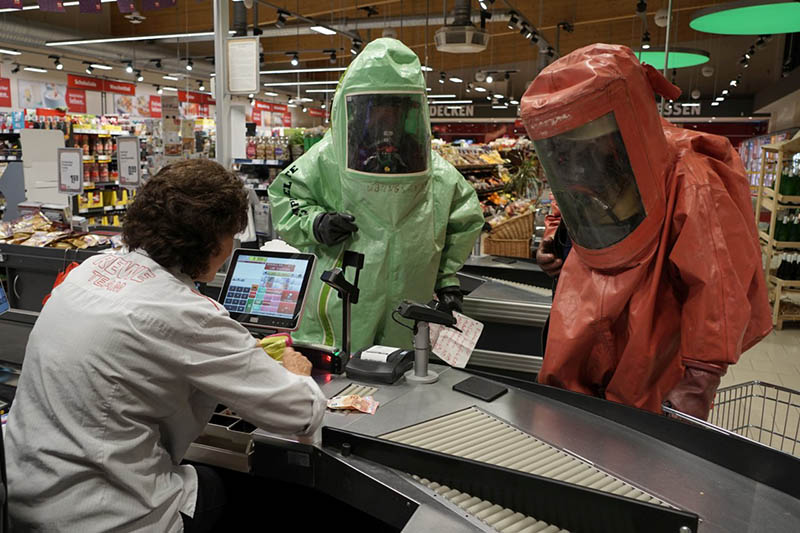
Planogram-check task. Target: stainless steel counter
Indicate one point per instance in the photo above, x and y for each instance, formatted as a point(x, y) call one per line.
point(724, 500)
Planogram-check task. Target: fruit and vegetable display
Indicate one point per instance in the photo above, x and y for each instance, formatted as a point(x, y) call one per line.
point(504, 208)
point(468, 156)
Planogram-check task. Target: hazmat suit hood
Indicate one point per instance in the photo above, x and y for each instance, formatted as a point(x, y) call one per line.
point(380, 115)
point(593, 118)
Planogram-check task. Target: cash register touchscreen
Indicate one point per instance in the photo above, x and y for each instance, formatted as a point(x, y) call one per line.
point(267, 289)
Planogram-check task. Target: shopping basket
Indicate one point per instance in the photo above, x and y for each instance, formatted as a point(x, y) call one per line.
point(765, 413)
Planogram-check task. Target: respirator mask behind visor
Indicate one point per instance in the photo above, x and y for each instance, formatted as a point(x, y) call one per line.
point(387, 133)
point(592, 180)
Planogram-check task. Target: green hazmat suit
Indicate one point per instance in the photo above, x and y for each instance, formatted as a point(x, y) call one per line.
point(418, 218)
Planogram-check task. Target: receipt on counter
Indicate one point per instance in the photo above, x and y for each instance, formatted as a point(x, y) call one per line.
point(456, 347)
point(377, 353)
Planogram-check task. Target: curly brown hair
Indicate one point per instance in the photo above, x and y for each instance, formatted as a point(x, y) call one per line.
point(182, 213)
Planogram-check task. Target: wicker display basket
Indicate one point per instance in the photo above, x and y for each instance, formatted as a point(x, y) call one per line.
point(519, 227)
point(507, 247)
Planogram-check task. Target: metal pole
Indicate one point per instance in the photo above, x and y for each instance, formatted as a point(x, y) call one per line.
point(666, 50)
point(223, 97)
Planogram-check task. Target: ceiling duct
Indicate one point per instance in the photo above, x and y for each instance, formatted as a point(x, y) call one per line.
point(461, 36)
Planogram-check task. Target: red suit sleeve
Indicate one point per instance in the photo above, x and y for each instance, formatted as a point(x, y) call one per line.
point(717, 258)
point(552, 219)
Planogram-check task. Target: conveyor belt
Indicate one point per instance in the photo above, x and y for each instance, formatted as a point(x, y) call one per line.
point(360, 390)
point(474, 434)
point(525, 287)
point(501, 519)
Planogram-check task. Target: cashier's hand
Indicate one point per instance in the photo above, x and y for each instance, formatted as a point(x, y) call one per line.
point(546, 258)
point(296, 363)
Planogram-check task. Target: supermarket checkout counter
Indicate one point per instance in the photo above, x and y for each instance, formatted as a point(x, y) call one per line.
point(533, 458)
point(503, 454)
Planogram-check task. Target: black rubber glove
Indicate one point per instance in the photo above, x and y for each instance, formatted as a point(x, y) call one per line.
point(450, 299)
point(334, 228)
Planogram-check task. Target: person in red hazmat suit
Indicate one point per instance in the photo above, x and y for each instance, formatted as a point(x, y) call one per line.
point(663, 287)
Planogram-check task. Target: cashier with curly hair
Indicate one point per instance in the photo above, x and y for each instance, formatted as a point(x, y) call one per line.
point(126, 363)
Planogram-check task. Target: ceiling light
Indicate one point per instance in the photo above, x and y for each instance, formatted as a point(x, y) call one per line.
point(324, 106)
point(480, 89)
point(35, 69)
point(281, 18)
point(132, 38)
point(323, 30)
point(426, 69)
point(513, 102)
point(270, 93)
point(724, 92)
point(189, 65)
point(734, 83)
point(455, 107)
point(101, 66)
point(507, 76)
point(304, 99)
point(292, 105)
point(305, 109)
point(10, 52)
point(442, 76)
point(303, 70)
point(333, 57)
point(719, 98)
point(355, 48)
point(744, 62)
point(89, 70)
point(293, 83)
point(159, 90)
point(295, 61)
point(484, 4)
point(129, 67)
point(139, 76)
point(250, 96)
point(489, 78)
point(488, 97)
point(428, 89)
point(499, 107)
point(550, 51)
point(512, 21)
point(441, 96)
point(57, 62)
point(447, 102)
point(748, 17)
point(170, 78)
point(173, 89)
point(715, 103)
point(320, 90)
point(201, 86)
point(499, 96)
point(646, 41)
point(456, 80)
point(678, 57)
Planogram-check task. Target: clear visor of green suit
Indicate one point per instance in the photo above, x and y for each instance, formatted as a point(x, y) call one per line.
point(373, 185)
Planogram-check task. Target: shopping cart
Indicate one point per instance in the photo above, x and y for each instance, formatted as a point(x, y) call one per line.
point(762, 412)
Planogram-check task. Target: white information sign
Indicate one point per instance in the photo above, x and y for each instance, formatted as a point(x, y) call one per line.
point(243, 74)
point(70, 170)
point(130, 170)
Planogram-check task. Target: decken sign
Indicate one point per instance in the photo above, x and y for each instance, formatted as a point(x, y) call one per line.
point(445, 110)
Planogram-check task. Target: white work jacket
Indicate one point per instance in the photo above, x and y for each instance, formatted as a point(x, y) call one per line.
point(122, 371)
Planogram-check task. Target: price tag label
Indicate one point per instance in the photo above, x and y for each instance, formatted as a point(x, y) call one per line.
point(70, 170)
point(130, 170)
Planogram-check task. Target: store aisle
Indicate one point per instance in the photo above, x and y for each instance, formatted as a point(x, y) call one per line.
point(776, 360)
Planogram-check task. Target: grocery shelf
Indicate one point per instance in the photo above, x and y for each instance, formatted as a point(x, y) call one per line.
point(479, 167)
point(101, 210)
point(778, 245)
point(102, 133)
point(263, 162)
point(10, 158)
point(100, 184)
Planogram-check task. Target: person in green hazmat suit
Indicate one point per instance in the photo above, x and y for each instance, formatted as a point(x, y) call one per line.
point(373, 185)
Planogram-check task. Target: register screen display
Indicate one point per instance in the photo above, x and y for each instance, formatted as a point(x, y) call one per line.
point(267, 288)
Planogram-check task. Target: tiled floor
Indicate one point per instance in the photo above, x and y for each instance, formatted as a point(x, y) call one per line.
point(768, 414)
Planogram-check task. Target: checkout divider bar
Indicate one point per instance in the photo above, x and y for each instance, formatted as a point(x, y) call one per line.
point(568, 506)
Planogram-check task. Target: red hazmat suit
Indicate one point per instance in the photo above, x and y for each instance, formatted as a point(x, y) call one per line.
point(664, 286)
